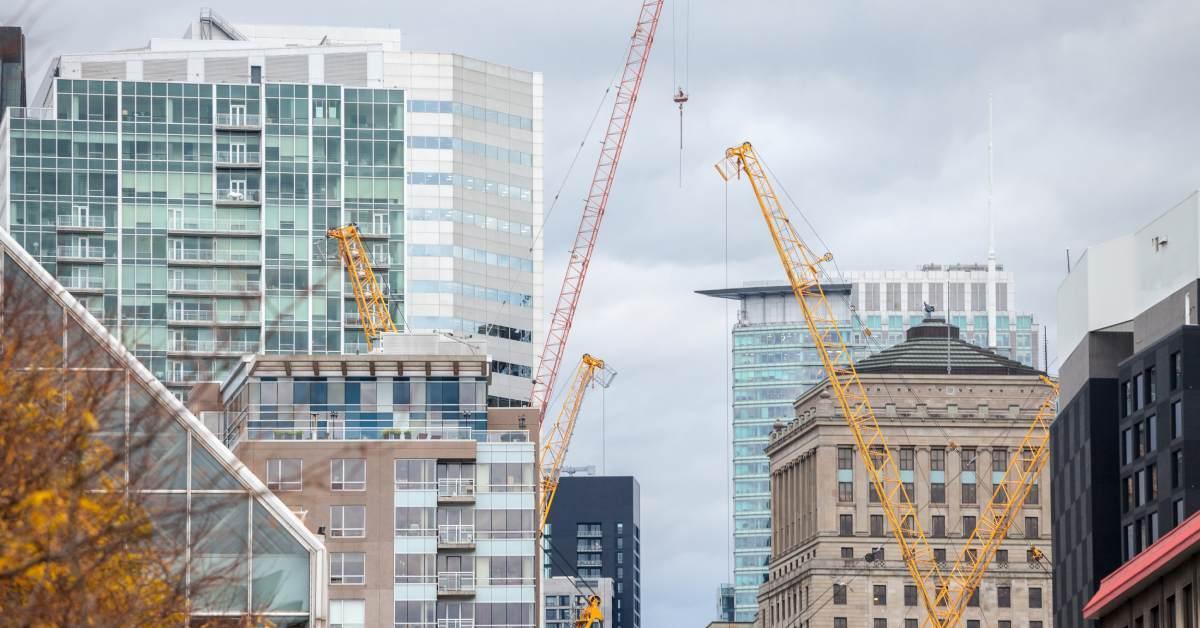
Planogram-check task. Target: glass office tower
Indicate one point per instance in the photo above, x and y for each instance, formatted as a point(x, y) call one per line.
point(192, 217)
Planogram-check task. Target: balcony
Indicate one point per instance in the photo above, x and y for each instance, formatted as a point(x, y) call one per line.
point(456, 623)
point(257, 424)
point(32, 113)
point(210, 286)
point(82, 282)
point(214, 256)
point(456, 489)
point(219, 226)
point(238, 347)
point(238, 197)
point(238, 159)
point(87, 253)
point(589, 562)
point(190, 316)
point(590, 533)
point(238, 121)
point(456, 536)
point(80, 223)
point(453, 583)
point(589, 546)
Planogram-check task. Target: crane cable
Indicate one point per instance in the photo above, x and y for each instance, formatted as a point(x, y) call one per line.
point(680, 95)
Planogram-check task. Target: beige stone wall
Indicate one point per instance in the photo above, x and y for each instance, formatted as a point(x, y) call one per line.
point(915, 411)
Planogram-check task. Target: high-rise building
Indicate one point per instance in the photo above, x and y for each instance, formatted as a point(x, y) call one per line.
point(565, 596)
point(955, 415)
point(594, 531)
point(183, 190)
point(774, 361)
point(425, 496)
point(243, 551)
point(12, 68)
point(1122, 457)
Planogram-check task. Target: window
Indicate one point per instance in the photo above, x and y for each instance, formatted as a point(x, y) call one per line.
point(1170, 611)
point(1004, 623)
point(968, 492)
point(839, 594)
point(893, 297)
point(1003, 596)
point(1176, 420)
point(1176, 370)
point(415, 475)
point(939, 526)
point(846, 525)
point(910, 595)
point(838, 622)
point(937, 475)
point(1031, 528)
point(348, 474)
point(871, 297)
point(979, 297)
point(1126, 445)
point(1035, 597)
point(972, 623)
point(1035, 624)
point(1151, 385)
point(1151, 433)
point(879, 595)
point(879, 623)
point(347, 568)
point(285, 474)
point(1127, 398)
point(1177, 468)
point(347, 613)
point(848, 553)
point(347, 522)
point(1178, 511)
point(1002, 558)
point(968, 525)
point(845, 473)
point(1139, 391)
point(939, 555)
point(877, 525)
point(910, 623)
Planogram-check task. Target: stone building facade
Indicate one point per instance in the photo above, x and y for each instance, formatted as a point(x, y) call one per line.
point(955, 415)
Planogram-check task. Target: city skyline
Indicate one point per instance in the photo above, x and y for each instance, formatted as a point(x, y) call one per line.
point(874, 124)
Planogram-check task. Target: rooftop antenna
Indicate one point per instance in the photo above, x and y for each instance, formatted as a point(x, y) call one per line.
point(990, 298)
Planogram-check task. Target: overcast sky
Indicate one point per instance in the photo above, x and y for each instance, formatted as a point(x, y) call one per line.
point(872, 114)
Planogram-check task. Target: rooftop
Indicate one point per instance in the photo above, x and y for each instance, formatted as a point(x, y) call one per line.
point(935, 348)
point(1146, 568)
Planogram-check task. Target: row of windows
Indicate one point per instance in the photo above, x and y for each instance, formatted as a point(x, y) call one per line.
point(455, 478)
point(470, 111)
point(471, 148)
point(879, 593)
point(447, 323)
point(466, 182)
point(1142, 389)
point(841, 622)
point(1141, 533)
point(471, 255)
point(919, 294)
point(938, 529)
point(472, 291)
point(470, 218)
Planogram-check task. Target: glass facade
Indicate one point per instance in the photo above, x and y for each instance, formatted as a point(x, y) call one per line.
point(244, 556)
point(191, 217)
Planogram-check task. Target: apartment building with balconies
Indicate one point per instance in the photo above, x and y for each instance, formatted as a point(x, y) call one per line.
point(425, 497)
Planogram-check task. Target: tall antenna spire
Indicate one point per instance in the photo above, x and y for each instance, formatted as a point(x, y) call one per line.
point(992, 286)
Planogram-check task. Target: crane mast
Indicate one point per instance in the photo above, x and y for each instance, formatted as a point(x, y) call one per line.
point(944, 594)
point(370, 298)
point(558, 438)
point(594, 206)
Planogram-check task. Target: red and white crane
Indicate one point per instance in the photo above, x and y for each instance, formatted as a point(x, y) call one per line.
point(593, 208)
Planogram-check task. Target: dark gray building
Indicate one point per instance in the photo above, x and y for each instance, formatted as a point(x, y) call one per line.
point(1125, 456)
point(594, 531)
point(12, 68)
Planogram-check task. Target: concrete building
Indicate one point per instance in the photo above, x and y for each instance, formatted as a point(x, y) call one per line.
point(1157, 588)
point(594, 531)
point(774, 361)
point(12, 68)
point(564, 596)
point(183, 190)
point(243, 550)
point(955, 415)
point(425, 496)
point(1122, 455)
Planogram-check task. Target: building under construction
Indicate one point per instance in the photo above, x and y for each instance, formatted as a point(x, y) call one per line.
point(955, 415)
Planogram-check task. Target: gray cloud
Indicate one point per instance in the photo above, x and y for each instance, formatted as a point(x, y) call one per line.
point(872, 114)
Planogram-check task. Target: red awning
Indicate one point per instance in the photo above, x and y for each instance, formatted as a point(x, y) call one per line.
point(1162, 555)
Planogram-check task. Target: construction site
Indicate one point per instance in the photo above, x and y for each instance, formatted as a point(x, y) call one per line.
point(298, 330)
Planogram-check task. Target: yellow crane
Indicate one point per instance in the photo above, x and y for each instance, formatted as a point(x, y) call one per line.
point(372, 302)
point(555, 442)
point(944, 592)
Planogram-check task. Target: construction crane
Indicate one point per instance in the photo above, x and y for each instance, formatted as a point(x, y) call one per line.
point(372, 302)
point(591, 371)
point(593, 208)
point(945, 593)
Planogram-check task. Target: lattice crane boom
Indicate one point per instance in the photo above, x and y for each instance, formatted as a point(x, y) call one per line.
point(944, 593)
point(597, 200)
point(557, 438)
point(372, 302)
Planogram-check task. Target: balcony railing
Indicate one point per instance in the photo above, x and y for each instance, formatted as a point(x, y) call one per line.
point(590, 562)
point(456, 623)
point(585, 546)
point(456, 582)
point(243, 120)
point(190, 316)
point(456, 487)
point(213, 346)
point(456, 534)
point(260, 425)
point(84, 222)
point(225, 225)
point(81, 252)
point(239, 158)
point(590, 533)
point(82, 282)
point(187, 284)
point(239, 196)
point(32, 113)
point(212, 255)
